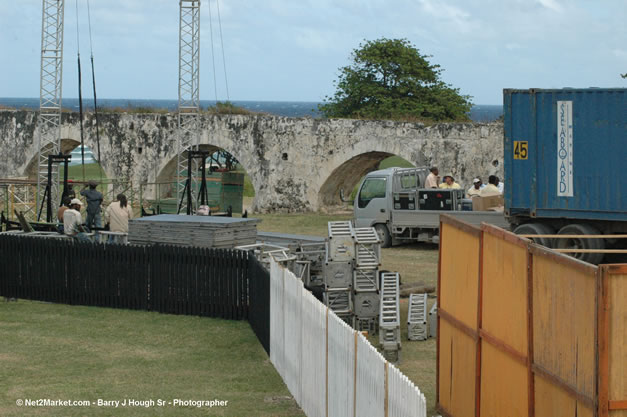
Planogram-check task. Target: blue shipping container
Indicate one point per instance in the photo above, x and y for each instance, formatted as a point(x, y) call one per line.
point(566, 153)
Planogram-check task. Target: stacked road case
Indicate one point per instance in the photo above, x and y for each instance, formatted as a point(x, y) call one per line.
point(338, 269)
point(310, 264)
point(389, 317)
point(366, 279)
point(417, 317)
point(343, 272)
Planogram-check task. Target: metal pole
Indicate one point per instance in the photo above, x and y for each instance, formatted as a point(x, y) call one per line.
point(188, 94)
point(189, 183)
point(49, 188)
point(50, 97)
point(203, 184)
point(65, 172)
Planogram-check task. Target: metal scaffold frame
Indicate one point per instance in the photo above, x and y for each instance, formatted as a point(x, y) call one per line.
point(51, 77)
point(189, 102)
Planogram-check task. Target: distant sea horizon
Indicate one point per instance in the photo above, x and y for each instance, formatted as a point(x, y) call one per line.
point(482, 113)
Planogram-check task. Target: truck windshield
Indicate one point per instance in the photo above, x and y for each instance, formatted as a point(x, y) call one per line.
point(371, 188)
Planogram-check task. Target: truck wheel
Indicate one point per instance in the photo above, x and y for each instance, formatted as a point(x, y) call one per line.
point(536, 229)
point(576, 243)
point(384, 235)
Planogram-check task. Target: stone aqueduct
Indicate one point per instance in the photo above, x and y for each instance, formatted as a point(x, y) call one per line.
point(295, 164)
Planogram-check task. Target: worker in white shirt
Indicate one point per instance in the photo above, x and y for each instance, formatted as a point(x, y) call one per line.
point(449, 183)
point(118, 214)
point(432, 179)
point(475, 189)
point(73, 222)
point(500, 185)
point(491, 188)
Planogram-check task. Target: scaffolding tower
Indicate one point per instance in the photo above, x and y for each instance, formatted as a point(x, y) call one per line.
point(189, 102)
point(49, 140)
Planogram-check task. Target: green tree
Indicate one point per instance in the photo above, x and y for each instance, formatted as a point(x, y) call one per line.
point(391, 79)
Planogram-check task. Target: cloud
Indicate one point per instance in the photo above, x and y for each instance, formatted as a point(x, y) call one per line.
point(452, 14)
point(310, 38)
point(620, 53)
point(551, 4)
point(272, 46)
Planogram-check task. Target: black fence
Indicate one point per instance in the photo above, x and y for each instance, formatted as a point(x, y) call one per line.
point(179, 280)
point(259, 306)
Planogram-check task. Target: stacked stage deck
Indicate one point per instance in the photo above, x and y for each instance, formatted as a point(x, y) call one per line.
point(201, 231)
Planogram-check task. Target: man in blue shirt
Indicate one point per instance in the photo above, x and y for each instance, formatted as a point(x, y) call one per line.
point(94, 200)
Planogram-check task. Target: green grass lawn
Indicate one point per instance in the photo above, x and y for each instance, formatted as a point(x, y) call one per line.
point(395, 161)
point(87, 353)
point(92, 172)
point(304, 224)
point(73, 352)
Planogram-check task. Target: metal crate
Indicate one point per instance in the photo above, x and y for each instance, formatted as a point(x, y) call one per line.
point(367, 257)
point(389, 317)
point(284, 257)
point(366, 304)
point(262, 251)
point(346, 317)
point(366, 280)
point(367, 248)
point(417, 317)
point(369, 325)
point(316, 278)
point(302, 270)
point(391, 348)
point(338, 274)
point(341, 243)
point(314, 252)
point(339, 300)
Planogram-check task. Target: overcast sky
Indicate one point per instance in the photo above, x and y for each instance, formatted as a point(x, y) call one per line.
point(292, 49)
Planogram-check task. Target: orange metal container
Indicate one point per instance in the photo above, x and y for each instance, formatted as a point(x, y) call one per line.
point(524, 331)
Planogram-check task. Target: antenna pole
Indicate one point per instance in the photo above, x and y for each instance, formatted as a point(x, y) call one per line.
point(50, 101)
point(189, 102)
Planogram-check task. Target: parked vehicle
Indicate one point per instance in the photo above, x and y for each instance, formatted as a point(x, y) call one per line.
point(394, 203)
point(565, 156)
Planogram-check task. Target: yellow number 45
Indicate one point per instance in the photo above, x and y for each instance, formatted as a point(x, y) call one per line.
point(521, 150)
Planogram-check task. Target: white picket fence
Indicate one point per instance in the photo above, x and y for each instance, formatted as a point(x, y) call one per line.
point(330, 369)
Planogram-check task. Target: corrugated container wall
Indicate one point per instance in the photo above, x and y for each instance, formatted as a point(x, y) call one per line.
point(566, 153)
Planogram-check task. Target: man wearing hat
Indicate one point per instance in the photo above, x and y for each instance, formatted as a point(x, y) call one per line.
point(475, 189)
point(94, 200)
point(449, 183)
point(73, 222)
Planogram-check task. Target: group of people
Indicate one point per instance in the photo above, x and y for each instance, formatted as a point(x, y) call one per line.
point(494, 186)
point(71, 222)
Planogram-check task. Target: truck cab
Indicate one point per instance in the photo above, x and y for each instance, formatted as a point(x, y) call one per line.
point(372, 205)
point(394, 202)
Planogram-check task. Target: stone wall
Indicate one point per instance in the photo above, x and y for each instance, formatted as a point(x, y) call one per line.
point(295, 164)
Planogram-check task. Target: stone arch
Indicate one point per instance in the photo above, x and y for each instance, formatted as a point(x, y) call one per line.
point(67, 146)
point(167, 171)
point(346, 176)
point(290, 161)
point(167, 168)
point(346, 172)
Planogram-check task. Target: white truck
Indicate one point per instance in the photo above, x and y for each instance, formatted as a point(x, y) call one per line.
point(394, 202)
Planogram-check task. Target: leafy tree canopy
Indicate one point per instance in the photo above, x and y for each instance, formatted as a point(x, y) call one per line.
point(391, 79)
